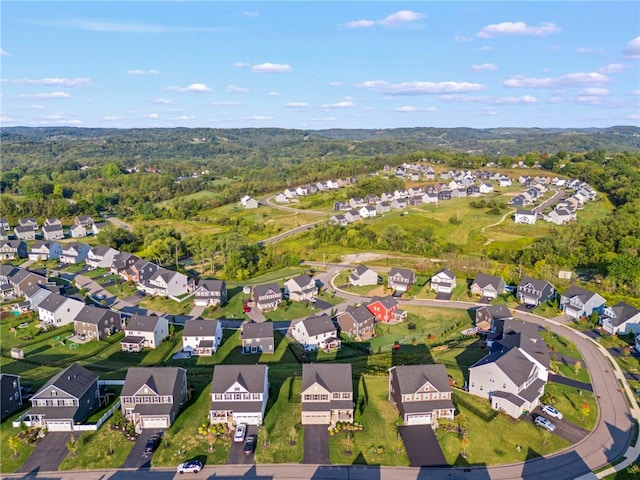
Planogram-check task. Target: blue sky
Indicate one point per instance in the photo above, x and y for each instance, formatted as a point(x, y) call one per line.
point(316, 65)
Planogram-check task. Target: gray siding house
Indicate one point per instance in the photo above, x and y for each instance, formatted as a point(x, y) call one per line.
point(11, 397)
point(267, 297)
point(488, 286)
point(535, 292)
point(327, 393)
point(401, 279)
point(357, 322)
point(257, 337)
point(210, 293)
point(577, 302)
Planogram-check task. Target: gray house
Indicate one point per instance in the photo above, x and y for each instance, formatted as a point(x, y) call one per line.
point(421, 393)
point(52, 232)
point(401, 279)
point(535, 292)
point(10, 249)
point(486, 317)
point(357, 322)
point(577, 302)
point(65, 400)
point(24, 233)
point(152, 396)
point(257, 337)
point(210, 293)
point(97, 323)
point(488, 286)
point(327, 393)
point(621, 318)
point(11, 398)
point(267, 297)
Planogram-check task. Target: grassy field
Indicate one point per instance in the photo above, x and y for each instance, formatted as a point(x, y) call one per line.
point(570, 401)
point(166, 305)
point(459, 358)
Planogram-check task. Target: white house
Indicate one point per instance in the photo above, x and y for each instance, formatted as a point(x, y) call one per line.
point(301, 289)
point(44, 250)
point(101, 257)
point(74, 252)
point(144, 331)
point(313, 333)
point(239, 394)
point(281, 198)
point(363, 275)
point(167, 283)
point(443, 281)
point(525, 216)
point(58, 310)
point(201, 337)
point(621, 318)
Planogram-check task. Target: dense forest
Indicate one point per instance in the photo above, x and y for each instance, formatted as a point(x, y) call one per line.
point(62, 172)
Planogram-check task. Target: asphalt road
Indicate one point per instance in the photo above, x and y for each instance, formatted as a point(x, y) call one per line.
point(564, 429)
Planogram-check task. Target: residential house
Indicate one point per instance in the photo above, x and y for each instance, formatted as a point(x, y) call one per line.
point(357, 322)
point(488, 316)
point(53, 221)
point(12, 249)
point(101, 257)
point(352, 216)
point(363, 275)
point(97, 323)
point(513, 374)
point(84, 220)
point(201, 337)
point(257, 337)
point(577, 302)
point(52, 232)
point(144, 331)
point(267, 297)
point(290, 193)
point(560, 216)
point(444, 195)
point(504, 181)
point(421, 393)
point(11, 398)
point(28, 222)
point(24, 233)
point(281, 198)
point(341, 205)
point(210, 293)
point(332, 184)
point(65, 400)
point(45, 250)
point(519, 201)
point(386, 310)
point(525, 216)
point(239, 394)
point(74, 252)
point(399, 203)
point(621, 318)
point(383, 207)
point(96, 228)
point(401, 279)
point(302, 191)
point(316, 332)
point(486, 187)
point(488, 286)
point(151, 397)
point(357, 202)
point(443, 281)
point(140, 272)
point(338, 221)
point(251, 203)
point(301, 289)
point(122, 261)
point(58, 310)
point(534, 292)
point(78, 231)
point(168, 283)
point(22, 279)
point(4, 225)
point(368, 211)
point(327, 393)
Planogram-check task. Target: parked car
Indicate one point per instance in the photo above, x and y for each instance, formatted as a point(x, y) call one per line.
point(101, 296)
point(152, 444)
point(246, 308)
point(192, 466)
point(241, 430)
point(552, 412)
point(250, 444)
point(544, 423)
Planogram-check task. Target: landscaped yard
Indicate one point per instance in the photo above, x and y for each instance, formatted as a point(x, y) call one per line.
point(459, 358)
point(166, 305)
point(290, 310)
point(561, 345)
point(571, 402)
point(9, 463)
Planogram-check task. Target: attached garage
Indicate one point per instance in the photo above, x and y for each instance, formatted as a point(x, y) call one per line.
point(248, 418)
point(59, 425)
point(418, 419)
point(155, 422)
point(529, 300)
point(316, 418)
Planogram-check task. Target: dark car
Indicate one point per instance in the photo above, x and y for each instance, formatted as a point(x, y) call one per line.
point(152, 444)
point(250, 444)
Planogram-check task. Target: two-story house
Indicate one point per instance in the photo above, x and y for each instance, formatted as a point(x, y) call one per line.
point(525, 216)
point(487, 286)
point(301, 289)
point(151, 397)
point(267, 297)
point(122, 261)
point(97, 323)
point(101, 257)
point(257, 337)
point(84, 220)
point(58, 310)
point(78, 231)
point(74, 252)
point(487, 316)
point(144, 331)
point(239, 394)
point(11, 397)
point(577, 302)
point(421, 393)
point(535, 292)
point(167, 283)
point(66, 399)
point(45, 250)
point(201, 337)
point(621, 318)
point(52, 232)
point(12, 249)
point(401, 279)
point(443, 281)
point(25, 233)
point(386, 310)
point(363, 275)
point(210, 293)
point(5, 226)
point(316, 332)
point(28, 222)
point(357, 322)
point(327, 393)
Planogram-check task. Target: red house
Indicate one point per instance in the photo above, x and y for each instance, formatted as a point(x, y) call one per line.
point(385, 309)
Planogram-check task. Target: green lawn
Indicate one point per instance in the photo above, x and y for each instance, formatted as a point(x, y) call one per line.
point(561, 345)
point(569, 371)
point(166, 305)
point(121, 290)
point(570, 401)
point(459, 358)
point(379, 416)
point(290, 310)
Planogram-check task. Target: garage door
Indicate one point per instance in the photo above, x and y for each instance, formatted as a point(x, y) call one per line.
point(151, 422)
point(251, 419)
point(54, 426)
point(529, 300)
point(418, 419)
point(316, 418)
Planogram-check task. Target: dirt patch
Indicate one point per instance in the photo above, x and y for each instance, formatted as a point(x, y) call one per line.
point(378, 292)
point(362, 257)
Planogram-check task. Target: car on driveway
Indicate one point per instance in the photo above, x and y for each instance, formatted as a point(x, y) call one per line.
point(246, 308)
point(250, 444)
point(152, 444)
point(101, 296)
point(241, 431)
point(552, 412)
point(192, 466)
point(544, 423)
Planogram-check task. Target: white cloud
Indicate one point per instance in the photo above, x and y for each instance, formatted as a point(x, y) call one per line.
point(456, 98)
point(153, 116)
point(567, 80)
point(613, 68)
point(632, 48)
point(241, 65)
point(55, 82)
point(36, 106)
point(594, 92)
point(633, 116)
point(635, 92)
point(225, 104)
point(274, 94)
point(112, 118)
point(525, 99)
point(335, 84)
point(271, 68)
point(194, 87)
point(46, 96)
point(142, 72)
point(297, 105)
point(120, 26)
point(258, 117)
point(462, 38)
point(162, 101)
point(183, 117)
point(517, 28)
point(4, 119)
point(4, 53)
point(420, 88)
point(555, 100)
point(397, 19)
point(485, 48)
point(343, 104)
point(485, 67)
point(587, 50)
point(410, 109)
point(247, 13)
point(236, 89)
point(324, 119)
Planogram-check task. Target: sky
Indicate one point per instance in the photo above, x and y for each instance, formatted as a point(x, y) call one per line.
point(318, 65)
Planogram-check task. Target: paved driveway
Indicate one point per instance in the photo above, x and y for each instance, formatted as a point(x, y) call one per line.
point(316, 445)
point(236, 453)
point(48, 454)
point(443, 296)
point(137, 458)
point(570, 382)
point(321, 304)
point(422, 446)
point(564, 429)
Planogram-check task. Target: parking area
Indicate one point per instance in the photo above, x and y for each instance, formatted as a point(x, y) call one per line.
point(48, 454)
point(236, 453)
point(137, 457)
point(422, 446)
point(443, 296)
point(316, 445)
point(564, 429)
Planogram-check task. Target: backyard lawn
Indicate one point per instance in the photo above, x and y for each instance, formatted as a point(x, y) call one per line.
point(166, 305)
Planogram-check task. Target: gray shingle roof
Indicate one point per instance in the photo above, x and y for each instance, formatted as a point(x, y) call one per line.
point(200, 328)
point(90, 314)
point(75, 380)
point(359, 314)
point(52, 302)
point(484, 280)
point(412, 377)
point(335, 377)
point(302, 281)
point(538, 285)
point(581, 293)
point(143, 323)
point(620, 313)
point(161, 380)
point(403, 272)
point(211, 285)
point(250, 377)
point(257, 330)
point(262, 290)
point(318, 325)
point(387, 302)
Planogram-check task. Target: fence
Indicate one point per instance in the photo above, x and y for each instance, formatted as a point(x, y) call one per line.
point(78, 427)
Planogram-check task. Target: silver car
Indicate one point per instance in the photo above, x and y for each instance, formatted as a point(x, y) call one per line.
point(544, 423)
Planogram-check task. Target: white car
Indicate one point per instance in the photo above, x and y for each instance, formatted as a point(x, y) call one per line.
point(552, 412)
point(544, 423)
point(240, 432)
point(192, 466)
